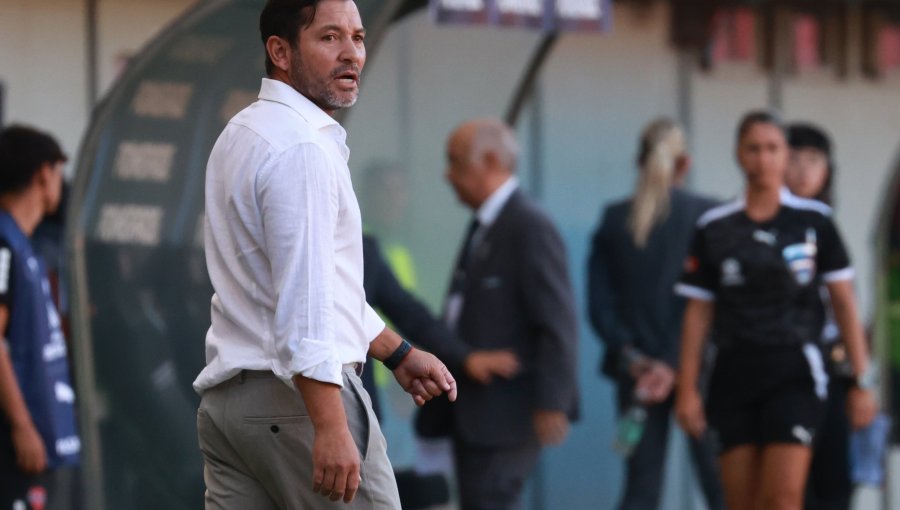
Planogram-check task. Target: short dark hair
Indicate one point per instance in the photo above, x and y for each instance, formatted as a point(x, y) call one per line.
point(23, 151)
point(809, 136)
point(759, 117)
point(284, 18)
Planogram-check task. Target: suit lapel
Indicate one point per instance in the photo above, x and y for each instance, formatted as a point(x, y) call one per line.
point(493, 237)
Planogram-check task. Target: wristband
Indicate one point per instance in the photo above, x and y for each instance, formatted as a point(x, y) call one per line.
point(867, 380)
point(393, 361)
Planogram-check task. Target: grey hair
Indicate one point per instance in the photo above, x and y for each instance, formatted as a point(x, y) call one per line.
point(494, 135)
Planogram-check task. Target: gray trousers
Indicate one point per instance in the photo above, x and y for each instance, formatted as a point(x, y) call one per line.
point(257, 439)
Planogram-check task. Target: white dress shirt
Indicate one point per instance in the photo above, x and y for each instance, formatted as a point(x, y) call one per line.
point(488, 211)
point(284, 245)
point(486, 215)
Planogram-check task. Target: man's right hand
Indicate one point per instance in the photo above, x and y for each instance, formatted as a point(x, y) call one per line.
point(336, 464)
point(30, 453)
point(482, 366)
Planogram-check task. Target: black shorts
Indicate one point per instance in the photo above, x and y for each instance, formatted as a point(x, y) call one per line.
point(14, 485)
point(19, 491)
point(767, 395)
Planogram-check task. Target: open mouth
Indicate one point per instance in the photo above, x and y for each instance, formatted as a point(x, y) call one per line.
point(347, 77)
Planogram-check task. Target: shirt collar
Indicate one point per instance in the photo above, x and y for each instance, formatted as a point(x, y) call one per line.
point(490, 209)
point(280, 92)
point(785, 194)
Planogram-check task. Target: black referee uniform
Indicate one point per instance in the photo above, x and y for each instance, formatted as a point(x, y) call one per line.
point(769, 384)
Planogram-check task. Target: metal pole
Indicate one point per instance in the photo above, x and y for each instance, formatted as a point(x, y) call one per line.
point(526, 85)
point(90, 18)
point(685, 72)
point(780, 56)
point(686, 91)
point(536, 134)
point(93, 495)
point(2, 101)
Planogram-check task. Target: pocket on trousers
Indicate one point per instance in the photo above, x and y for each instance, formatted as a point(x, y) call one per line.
point(203, 422)
point(358, 418)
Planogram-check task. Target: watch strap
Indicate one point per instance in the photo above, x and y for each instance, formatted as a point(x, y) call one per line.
point(393, 361)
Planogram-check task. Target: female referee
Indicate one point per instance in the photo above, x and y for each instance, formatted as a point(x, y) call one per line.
point(752, 280)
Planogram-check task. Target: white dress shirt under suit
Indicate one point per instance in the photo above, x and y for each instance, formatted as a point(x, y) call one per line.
point(284, 246)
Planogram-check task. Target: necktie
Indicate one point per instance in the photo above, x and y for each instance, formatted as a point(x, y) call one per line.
point(454, 304)
point(462, 261)
point(466, 253)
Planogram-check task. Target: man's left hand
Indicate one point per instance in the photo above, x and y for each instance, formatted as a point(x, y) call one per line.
point(551, 427)
point(424, 377)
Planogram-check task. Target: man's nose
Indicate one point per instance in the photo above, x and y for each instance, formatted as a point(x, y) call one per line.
point(352, 51)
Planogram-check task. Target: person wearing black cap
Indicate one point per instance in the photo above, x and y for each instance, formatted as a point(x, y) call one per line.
point(810, 174)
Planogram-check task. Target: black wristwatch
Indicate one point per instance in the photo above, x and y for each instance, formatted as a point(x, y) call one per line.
point(393, 361)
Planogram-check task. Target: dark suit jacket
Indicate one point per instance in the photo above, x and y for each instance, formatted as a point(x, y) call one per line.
point(407, 314)
point(631, 298)
point(518, 296)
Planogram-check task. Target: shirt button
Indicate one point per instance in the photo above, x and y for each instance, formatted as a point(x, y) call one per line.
point(274, 429)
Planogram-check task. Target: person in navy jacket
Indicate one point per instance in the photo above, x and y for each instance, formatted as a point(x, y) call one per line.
point(39, 442)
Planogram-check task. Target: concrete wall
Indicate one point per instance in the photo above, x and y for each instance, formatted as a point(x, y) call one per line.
point(43, 56)
point(42, 65)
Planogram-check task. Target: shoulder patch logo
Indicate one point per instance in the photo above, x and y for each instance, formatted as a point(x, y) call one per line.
point(801, 258)
point(691, 264)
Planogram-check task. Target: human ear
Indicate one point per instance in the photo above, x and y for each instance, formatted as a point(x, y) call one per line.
point(279, 52)
point(490, 159)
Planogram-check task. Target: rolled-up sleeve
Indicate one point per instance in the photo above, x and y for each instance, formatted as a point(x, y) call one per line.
point(372, 323)
point(298, 200)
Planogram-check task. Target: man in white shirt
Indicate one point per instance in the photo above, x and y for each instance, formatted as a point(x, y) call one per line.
point(283, 416)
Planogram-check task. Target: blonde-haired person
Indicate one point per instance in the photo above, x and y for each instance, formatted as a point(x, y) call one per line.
point(753, 280)
point(635, 261)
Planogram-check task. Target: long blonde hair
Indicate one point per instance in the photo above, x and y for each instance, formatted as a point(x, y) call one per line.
point(662, 143)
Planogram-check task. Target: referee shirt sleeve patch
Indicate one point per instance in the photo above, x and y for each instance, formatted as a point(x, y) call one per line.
point(839, 276)
point(694, 292)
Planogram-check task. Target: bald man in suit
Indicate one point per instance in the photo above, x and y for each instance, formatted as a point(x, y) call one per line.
point(510, 291)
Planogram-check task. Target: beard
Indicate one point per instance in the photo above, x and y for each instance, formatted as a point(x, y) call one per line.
point(319, 89)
